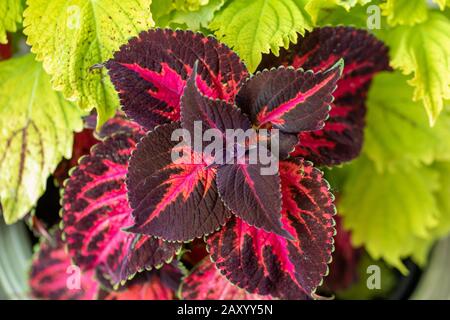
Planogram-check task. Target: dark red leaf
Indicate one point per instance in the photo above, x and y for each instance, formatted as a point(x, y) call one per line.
point(196, 252)
point(344, 267)
point(287, 144)
point(54, 277)
point(251, 196)
point(150, 73)
point(265, 263)
point(289, 100)
point(177, 201)
point(206, 283)
point(96, 209)
point(148, 287)
point(6, 50)
point(341, 138)
point(119, 124)
point(213, 114)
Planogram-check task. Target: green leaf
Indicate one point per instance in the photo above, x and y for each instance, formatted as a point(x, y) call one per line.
point(72, 36)
point(390, 213)
point(258, 26)
point(405, 12)
point(189, 5)
point(314, 7)
point(198, 18)
point(10, 15)
point(397, 132)
point(161, 10)
point(338, 15)
point(443, 198)
point(37, 127)
point(424, 50)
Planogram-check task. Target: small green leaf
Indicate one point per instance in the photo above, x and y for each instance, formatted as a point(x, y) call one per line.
point(391, 213)
point(424, 50)
point(37, 127)
point(10, 16)
point(72, 36)
point(405, 12)
point(161, 12)
point(314, 7)
point(189, 5)
point(258, 26)
point(198, 18)
point(397, 132)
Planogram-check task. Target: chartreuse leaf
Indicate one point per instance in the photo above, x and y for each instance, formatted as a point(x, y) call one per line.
point(72, 36)
point(36, 132)
point(314, 7)
point(424, 50)
point(10, 15)
point(397, 131)
point(405, 12)
point(443, 198)
point(197, 18)
point(161, 10)
point(408, 12)
point(442, 228)
point(390, 213)
point(189, 5)
point(255, 27)
point(192, 15)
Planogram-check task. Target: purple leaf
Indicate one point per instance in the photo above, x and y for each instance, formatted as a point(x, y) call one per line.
point(96, 209)
point(289, 100)
point(150, 73)
point(267, 264)
point(177, 201)
point(364, 56)
point(251, 196)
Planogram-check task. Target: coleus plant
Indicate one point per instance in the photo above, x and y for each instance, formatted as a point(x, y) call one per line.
point(127, 207)
point(53, 276)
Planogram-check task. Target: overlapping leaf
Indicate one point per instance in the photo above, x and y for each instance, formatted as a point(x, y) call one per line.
point(148, 287)
point(167, 14)
point(346, 258)
point(37, 127)
point(177, 201)
point(206, 283)
point(341, 138)
point(211, 114)
point(289, 100)
point(96, 209)
point(72, 36)
point(314, 7)
point(252, 196)
point(265, 263)
point(150, 73)
point(54, 277)
point(10, 15)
